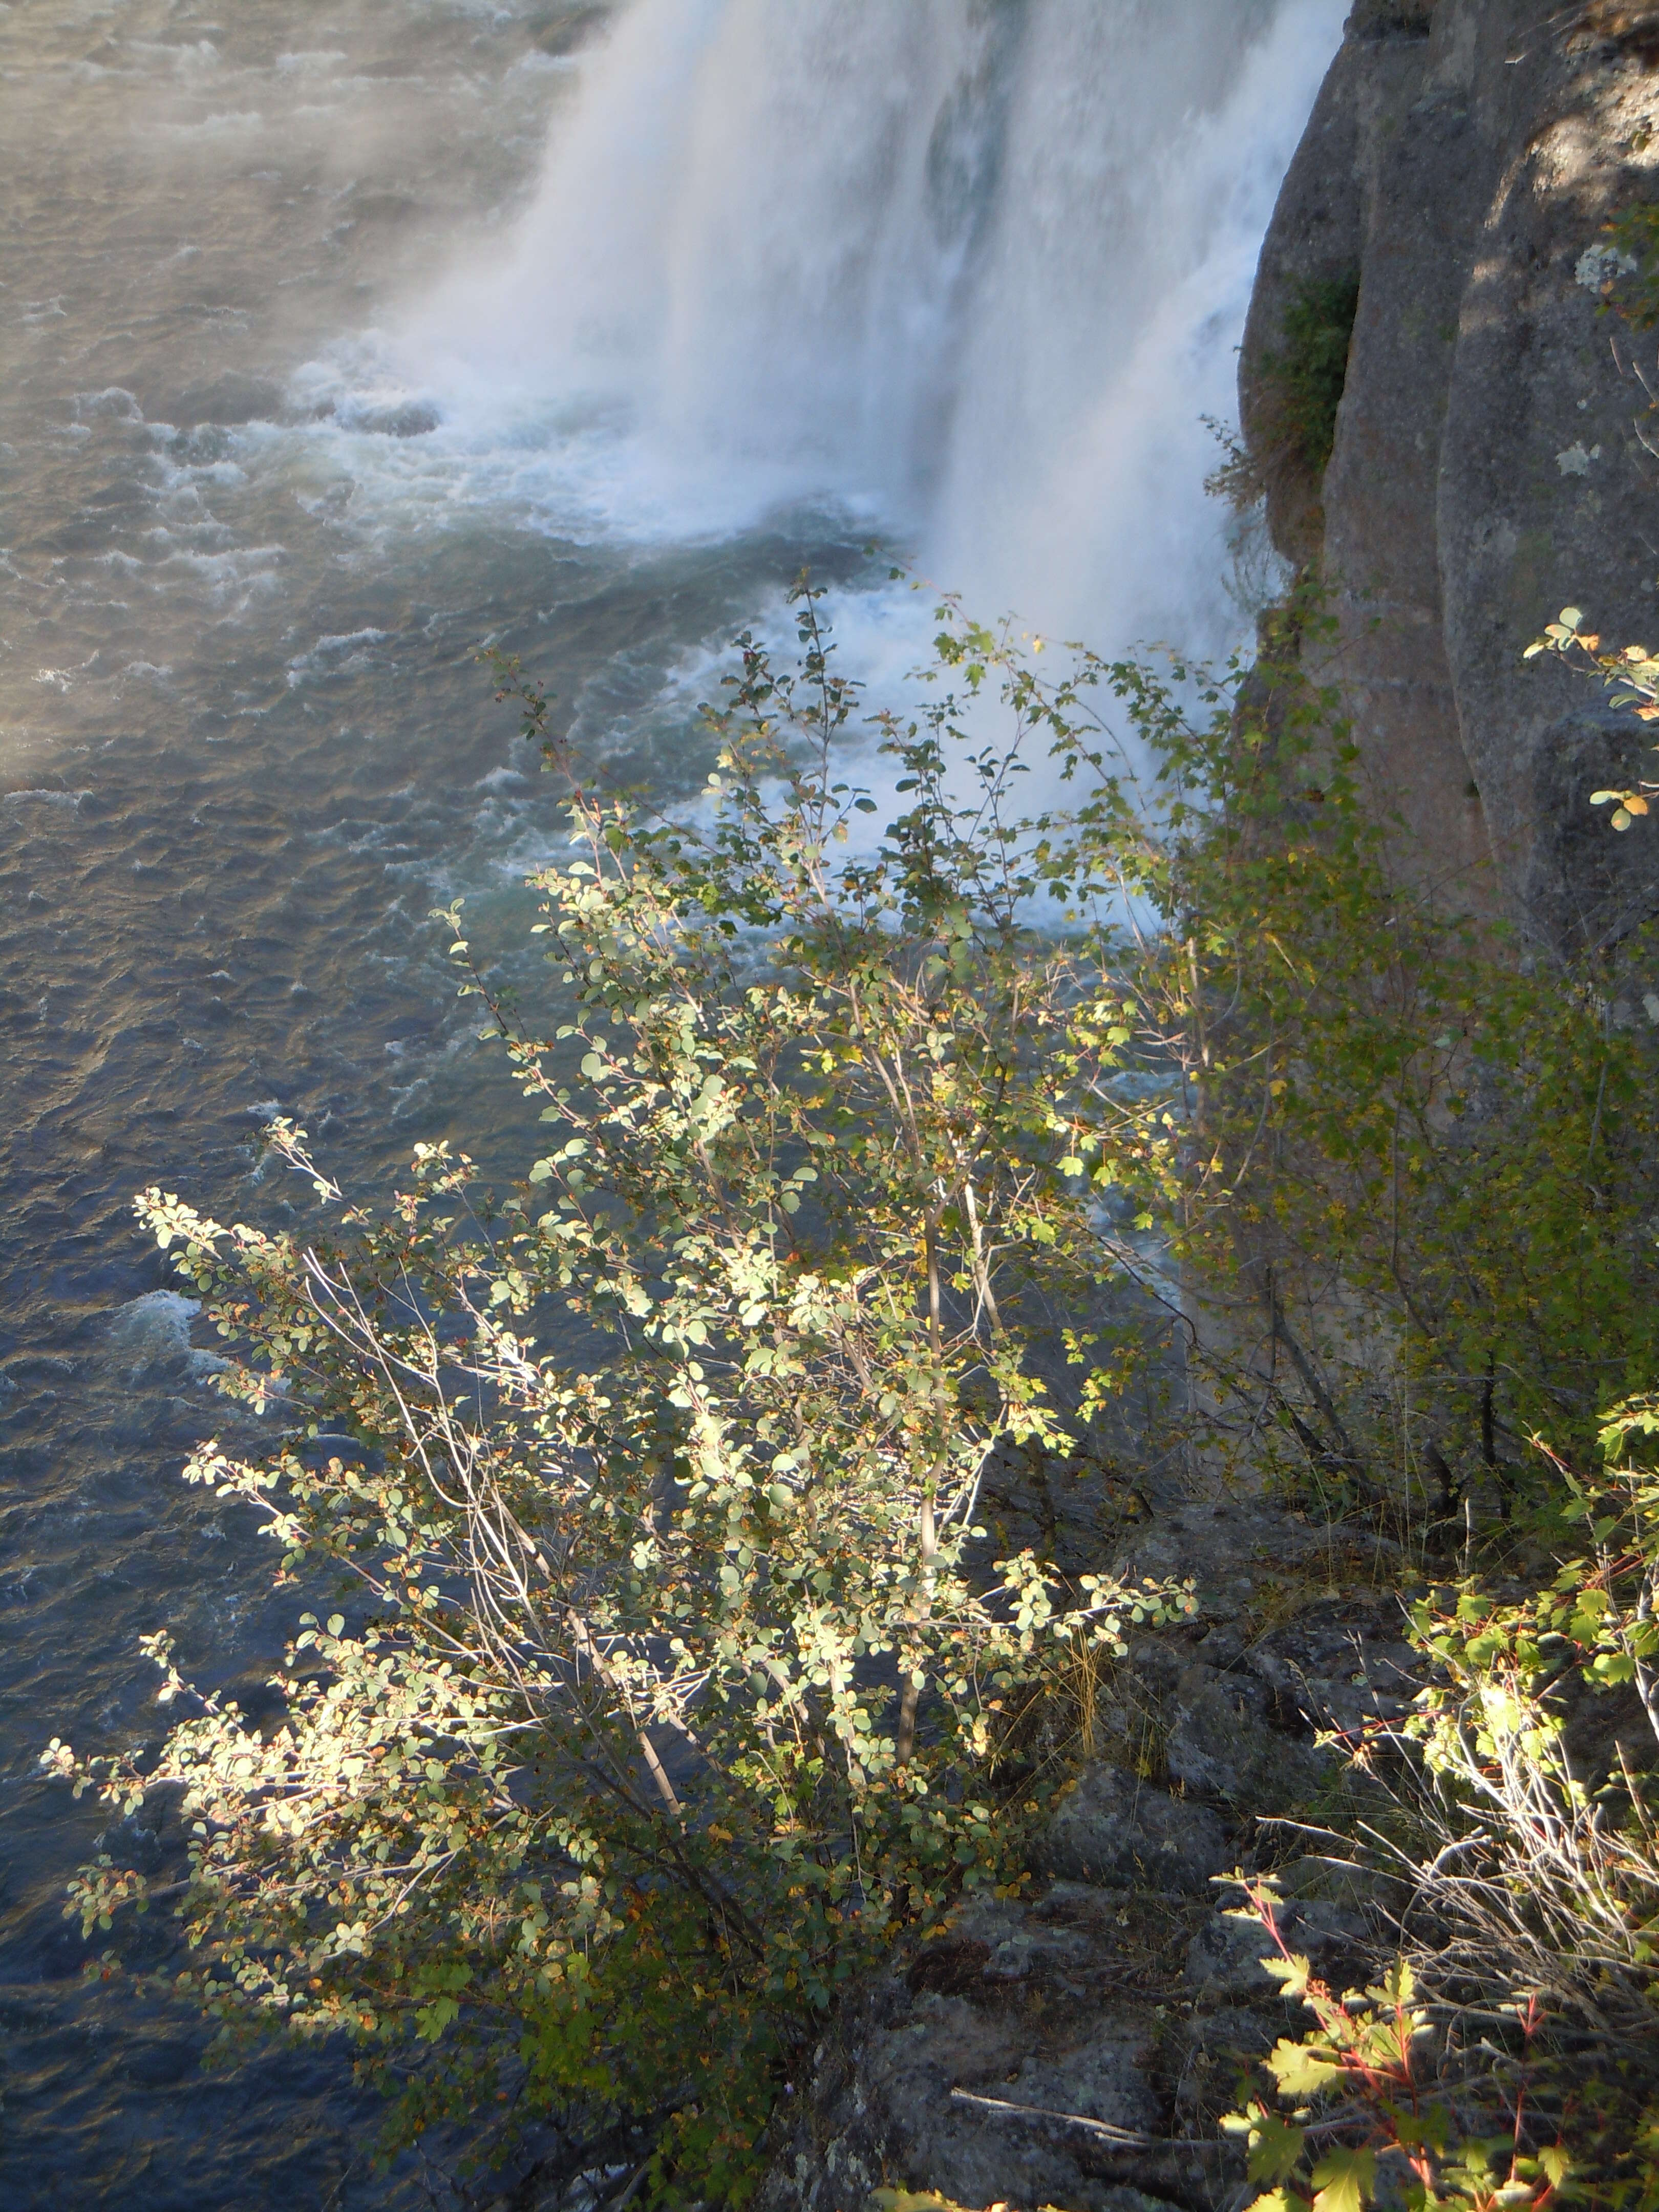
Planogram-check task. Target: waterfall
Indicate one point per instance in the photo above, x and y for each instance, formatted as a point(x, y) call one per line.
point(971, 269)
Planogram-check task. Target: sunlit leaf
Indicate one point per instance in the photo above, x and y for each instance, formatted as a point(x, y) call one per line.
point(1302, 2070)
point(1343, 2180)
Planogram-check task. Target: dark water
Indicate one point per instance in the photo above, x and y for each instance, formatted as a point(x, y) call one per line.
point(244, 748)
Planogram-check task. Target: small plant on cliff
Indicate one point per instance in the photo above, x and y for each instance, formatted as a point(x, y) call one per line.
point(1299, 386)
point(1629, 673)
point(1308, 376)
point(1625, 271)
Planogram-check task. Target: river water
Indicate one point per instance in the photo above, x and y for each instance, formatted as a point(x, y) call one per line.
point(336, 336)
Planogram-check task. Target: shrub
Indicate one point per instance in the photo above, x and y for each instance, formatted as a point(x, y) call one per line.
point(1308, 377)
point(673, 1654)
point(1415, 1196)
point(675, 1676)
point(1508, 2055)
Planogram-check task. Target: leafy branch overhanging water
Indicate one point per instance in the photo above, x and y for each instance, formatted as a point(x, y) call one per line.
point(677, 1676)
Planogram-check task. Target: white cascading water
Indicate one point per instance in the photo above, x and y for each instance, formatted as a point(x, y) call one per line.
point(975, 269)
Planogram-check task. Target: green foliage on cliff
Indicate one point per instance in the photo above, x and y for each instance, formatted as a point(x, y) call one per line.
point(674, 1677)
point(1307, 376)
point(1629, 265)
point(1518, 2064)
point(1297, 388)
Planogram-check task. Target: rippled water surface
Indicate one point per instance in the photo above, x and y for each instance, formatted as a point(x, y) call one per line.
point(243, 750)
point(260, 501)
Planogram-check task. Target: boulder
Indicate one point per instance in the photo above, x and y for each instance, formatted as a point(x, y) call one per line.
point(1220, 1746)
point(1024, 2060)
point(1116, 1831)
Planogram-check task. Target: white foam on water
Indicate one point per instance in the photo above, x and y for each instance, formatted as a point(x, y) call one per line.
point(237, 123)
point(341, 656)
point(154, 1330)
point(184, 57)
point(973, 274)
point(236, 577)
point(114, 399)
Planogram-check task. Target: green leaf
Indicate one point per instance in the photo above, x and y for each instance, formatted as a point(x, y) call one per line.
point(1276, 2145)
point(1343, 2180)
point(431, 2020)
point(1301, 2070)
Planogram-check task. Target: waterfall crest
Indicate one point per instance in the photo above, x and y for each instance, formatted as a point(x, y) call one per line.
point(972, 268)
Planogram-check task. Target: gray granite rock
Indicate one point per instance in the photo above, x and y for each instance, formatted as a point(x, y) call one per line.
point(1224, 1961)
point(1462, 161)
point(1340, 1664)
point(1116, 1831)
point(1220, 1746)
point(1020, 2060)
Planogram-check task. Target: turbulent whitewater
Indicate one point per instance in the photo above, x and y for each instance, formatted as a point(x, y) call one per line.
point(979, 270)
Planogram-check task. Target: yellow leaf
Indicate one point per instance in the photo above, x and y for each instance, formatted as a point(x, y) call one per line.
point(1292, 1972)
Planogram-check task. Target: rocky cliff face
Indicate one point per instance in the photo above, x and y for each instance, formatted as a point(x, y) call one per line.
point(1494, 453)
